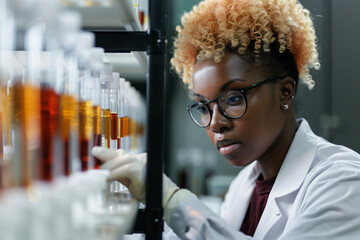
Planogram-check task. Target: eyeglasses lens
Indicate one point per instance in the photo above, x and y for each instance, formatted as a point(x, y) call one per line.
point(232, 103)
point(200, 113)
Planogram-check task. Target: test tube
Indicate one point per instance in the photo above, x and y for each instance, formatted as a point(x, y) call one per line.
point(50, 95)
point(125, 119)
point(122, 113)
point(105, 79)
point(69, 23)
point(85, 42)
point(3, 103)
point(49, 101)
point(26, 92)
point(114, 89)
point(96, 65)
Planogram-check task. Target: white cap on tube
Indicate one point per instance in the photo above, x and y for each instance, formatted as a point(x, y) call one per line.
point(69, 23)
point(97, 53)
point(107, 69)
point(84, 42)
point(126, 86)
point(96, 59)
point(114, 84)
point(106, 73)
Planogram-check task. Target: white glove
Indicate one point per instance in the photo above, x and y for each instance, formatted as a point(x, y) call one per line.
point(130, 170)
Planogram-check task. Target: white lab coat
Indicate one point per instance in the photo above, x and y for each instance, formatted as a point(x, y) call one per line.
point(316, 195)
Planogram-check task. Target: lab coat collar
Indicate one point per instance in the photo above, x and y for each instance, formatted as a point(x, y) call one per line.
point(297, 161)
point(289, 179)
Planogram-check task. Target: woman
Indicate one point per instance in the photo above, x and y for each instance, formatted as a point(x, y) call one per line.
point(243, 60)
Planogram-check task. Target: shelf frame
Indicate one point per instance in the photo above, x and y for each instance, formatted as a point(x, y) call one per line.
point(122, 41)
point(153, 42)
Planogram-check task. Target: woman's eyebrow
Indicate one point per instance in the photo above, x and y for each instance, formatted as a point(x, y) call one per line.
point(199, 95)
point(223, 87)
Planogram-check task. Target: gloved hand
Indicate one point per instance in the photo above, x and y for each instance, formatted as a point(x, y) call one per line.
point(130, 170)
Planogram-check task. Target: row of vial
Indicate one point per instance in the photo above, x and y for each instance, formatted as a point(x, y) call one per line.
point(59, 103)
point(58, 99)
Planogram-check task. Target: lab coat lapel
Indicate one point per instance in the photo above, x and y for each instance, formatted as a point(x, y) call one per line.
point(236, 215)
point(288, 181)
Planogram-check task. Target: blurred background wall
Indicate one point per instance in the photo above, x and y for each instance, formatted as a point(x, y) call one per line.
point(332, 107)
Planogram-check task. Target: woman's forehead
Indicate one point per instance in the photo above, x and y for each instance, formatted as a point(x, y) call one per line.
point(208, 73)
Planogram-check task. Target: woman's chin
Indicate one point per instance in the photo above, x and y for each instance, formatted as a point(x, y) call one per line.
point(236, 162)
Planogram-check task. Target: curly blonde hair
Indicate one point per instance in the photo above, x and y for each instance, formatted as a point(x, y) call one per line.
point(261, 27)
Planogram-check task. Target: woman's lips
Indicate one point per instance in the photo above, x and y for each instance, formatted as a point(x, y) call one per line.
point(227, 147)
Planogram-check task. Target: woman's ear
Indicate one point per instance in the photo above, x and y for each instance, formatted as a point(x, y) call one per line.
point(287, 92)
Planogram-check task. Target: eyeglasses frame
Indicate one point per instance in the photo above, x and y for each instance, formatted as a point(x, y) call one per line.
point(241, 90)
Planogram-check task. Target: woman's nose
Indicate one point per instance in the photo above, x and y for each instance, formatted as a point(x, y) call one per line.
point(219, 122)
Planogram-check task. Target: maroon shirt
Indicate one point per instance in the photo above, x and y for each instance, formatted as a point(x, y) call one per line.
point(257, 205)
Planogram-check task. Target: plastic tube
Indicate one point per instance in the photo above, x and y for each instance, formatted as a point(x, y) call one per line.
point(85, 41)
point(96, 65)
point(69, 24)
point(114, 90)
point(105, 79)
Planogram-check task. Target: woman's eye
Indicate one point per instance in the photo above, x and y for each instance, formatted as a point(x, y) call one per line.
point(202, 108)
point(234, 99)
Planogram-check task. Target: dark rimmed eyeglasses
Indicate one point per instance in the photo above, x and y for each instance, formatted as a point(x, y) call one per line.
point(231, 102)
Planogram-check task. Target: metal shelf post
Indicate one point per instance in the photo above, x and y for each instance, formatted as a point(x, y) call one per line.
point(156, 119)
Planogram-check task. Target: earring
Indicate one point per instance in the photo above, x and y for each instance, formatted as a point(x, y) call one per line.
point(285, 106)
point(292, 97)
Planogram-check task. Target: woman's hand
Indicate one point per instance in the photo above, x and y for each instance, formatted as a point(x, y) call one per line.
point(130, 169)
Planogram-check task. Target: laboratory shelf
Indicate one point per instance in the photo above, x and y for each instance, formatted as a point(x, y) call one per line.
point(118, 16)
point(117, 30)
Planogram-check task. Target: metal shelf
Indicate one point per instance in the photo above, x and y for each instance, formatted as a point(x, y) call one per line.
point(116, 14)
point(117, 35)
point(115, 17)
point(132, 66)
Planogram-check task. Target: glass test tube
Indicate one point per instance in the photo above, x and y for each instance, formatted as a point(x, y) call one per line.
point(69, 25)
point(114, 88)
point(50, 103)
point(125, 120)
point(85, 41)
point(105, 79)
point(49, 126)
point(122, 103)
point(25, 100)
point(3, 11)
point(96, 65)
point(86, 127)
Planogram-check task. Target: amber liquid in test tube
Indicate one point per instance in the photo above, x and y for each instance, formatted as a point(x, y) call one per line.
point(1, 130)
point(68, 109)
point(115, 138)
point(2, 94)
point(5, 135)
point(125, 128)
point(122, 122)
point(128, 122)
point(133, 134)
point(97, 132)
point(26, 117)
point(49, 126)
point(1, 147)
point(86, 125)
point(119, 129)
point(106, 127)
